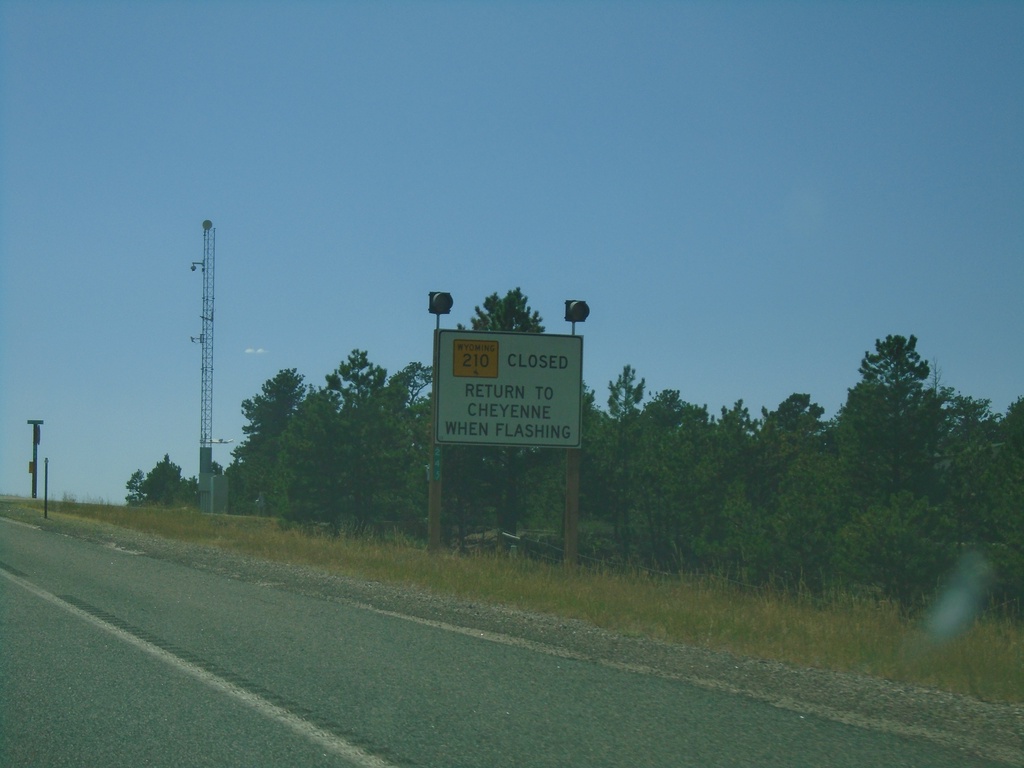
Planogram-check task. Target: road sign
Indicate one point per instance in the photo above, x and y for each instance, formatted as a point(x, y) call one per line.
point(475, 358)
point(520, 389)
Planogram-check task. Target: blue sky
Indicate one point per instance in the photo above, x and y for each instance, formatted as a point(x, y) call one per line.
point(747, 194)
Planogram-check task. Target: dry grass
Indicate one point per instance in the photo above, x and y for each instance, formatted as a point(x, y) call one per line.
point(841, 633)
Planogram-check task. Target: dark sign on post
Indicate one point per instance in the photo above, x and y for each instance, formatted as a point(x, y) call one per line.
point(34, 465)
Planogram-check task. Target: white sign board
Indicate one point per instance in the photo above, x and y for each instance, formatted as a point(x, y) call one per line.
point(509, 389)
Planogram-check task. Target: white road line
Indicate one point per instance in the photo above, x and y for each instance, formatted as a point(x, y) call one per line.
point(310, 731)
point(18, 522)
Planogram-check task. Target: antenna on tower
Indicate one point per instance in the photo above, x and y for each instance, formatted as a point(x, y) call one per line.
point(212, 488)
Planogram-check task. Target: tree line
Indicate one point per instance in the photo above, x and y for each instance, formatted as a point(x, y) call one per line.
point(884, 497)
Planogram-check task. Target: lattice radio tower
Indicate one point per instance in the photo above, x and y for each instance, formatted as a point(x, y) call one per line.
point(206, 342)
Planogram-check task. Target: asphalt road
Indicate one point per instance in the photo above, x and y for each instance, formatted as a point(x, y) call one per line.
point(109, 657)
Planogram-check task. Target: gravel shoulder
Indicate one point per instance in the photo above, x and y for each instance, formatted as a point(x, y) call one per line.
point(991, 730)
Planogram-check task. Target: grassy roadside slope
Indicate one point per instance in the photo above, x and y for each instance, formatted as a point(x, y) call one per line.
point(840, 633)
